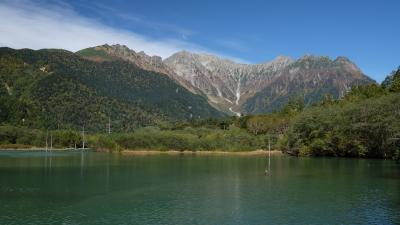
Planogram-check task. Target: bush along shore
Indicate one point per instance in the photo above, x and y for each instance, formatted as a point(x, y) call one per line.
point(150, 138)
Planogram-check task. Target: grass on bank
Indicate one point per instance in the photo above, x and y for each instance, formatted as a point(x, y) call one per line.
point(192, 139)
point(151, 138)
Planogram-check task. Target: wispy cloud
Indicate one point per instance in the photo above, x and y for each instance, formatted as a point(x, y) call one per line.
point(110, 13)
point(36, 25)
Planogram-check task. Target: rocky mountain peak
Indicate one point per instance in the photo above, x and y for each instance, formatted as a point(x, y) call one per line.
point(341, 60)
point(243, 88)
point(225, 82)
point(278, 63)
point(230, 86)
point(280, 59)
point(122, 52)
point(309, 57)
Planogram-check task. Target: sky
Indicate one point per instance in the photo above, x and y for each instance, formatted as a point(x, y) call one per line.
point(251, 31)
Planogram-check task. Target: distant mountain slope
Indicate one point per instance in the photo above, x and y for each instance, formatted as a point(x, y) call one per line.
point(243, 88)
point(265, 87)
point(309, 77)
point(49, 88)
point(108, 53)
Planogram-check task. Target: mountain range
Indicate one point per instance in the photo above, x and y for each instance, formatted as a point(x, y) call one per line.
point(246, 88)
point(53, 87)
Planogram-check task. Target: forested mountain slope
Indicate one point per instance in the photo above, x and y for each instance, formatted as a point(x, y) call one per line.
point(57, 88)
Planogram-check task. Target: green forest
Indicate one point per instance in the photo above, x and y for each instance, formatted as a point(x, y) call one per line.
point(55, 94)
point(57, 89)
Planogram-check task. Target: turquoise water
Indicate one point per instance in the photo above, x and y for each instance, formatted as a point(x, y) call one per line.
point(102, 188)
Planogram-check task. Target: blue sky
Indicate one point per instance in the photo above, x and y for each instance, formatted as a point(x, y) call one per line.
point(367, 32)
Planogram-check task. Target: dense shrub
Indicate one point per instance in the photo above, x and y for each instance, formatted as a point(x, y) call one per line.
point(37, 138)
point(368, 128)
point(192, 139)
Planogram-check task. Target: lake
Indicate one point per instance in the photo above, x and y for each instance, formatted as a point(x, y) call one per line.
point(103, 188)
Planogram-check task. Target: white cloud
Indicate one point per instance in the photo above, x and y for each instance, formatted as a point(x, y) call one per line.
point(35, 25)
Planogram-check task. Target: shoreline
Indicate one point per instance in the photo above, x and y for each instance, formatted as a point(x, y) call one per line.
point(200, 153)
point(144, 152)
point(36, 149)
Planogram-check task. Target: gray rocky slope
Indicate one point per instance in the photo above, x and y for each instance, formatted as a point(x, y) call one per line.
point(246, 88)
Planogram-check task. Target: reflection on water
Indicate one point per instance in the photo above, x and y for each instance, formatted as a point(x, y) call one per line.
point(97, 188)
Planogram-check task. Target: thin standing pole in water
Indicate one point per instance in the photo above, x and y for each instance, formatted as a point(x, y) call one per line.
point(267, 171)
point(47, 136)
point(83, 138)
point(51, 141)
point(269, 153)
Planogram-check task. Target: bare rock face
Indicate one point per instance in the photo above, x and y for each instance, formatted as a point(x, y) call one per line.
point(245, 88)
point(310, 78)
point(259, 88)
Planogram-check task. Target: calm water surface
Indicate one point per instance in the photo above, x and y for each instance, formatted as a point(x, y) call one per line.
point(102, 188)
